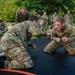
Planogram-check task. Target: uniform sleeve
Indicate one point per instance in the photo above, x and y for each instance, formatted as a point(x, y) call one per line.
point(72, 33)
point(35, 30)
point(54, 35)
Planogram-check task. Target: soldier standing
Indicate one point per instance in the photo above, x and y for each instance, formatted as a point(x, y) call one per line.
point(22, 15)
point(45, 21)
point(54, 17)
point(63, 35)
point(68, 18)
point(15, 41)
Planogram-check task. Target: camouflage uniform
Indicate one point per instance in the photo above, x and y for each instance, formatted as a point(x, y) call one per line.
point(45, 22)
point(3, 28)
point(14, 43)
point(68, 19)
point(54, 17)
point(69, 32)
point(20, 18)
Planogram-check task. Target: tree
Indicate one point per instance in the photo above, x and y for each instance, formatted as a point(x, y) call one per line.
point(8, 10)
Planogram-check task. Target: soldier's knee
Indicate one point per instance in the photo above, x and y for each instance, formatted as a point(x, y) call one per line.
point(47, 51)
point(18, 65)
point(28, 64)
point(71, 52)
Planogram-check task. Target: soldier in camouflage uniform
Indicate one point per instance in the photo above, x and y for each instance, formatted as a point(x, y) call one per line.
point(68, 18)
point(37, 14)
point(54, 17)
point(3, 28)
point(22, 15)
point(45, 21)
point(63, 35)
point(15, 41)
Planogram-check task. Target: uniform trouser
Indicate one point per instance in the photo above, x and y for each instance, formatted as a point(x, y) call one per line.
point(16, 54)
point(18, 58)
point(54, 45)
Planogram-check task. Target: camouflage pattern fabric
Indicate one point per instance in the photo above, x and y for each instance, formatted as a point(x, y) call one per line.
point(20, 18)
point(69, 32)
point(14, 43)
point(45, 22)
point(54, 17)
point(68, 19)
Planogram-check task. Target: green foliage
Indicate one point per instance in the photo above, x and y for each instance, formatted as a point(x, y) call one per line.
point(8, 8)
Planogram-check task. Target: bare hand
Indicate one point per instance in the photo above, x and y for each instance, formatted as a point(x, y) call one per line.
point(34, 47)
point(65, 39)
point(58, 40)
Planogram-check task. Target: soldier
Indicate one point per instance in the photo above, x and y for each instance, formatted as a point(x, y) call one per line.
point(22, 15)
point(62, 35)
point(37, 14)
point(15, 41)
point(3, 28)
point(54, 17)
point(68, 18)
point(45, 21)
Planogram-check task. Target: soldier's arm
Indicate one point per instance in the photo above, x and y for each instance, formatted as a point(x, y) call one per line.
point(54, 35)
point(35, 31)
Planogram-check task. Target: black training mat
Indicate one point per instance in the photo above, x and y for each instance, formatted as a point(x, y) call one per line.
point(58, 63)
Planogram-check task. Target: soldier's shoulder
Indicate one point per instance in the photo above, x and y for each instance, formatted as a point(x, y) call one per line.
point(66, 14)
point(28, 22)
point(68, 27)
point(52, 14)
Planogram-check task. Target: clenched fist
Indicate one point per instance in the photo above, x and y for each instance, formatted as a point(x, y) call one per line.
point(65, 39)
point(58, 40)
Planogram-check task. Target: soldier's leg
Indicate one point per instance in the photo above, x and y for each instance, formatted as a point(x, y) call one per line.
point(51, 47)
point(69, 48)
point(18, 60)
